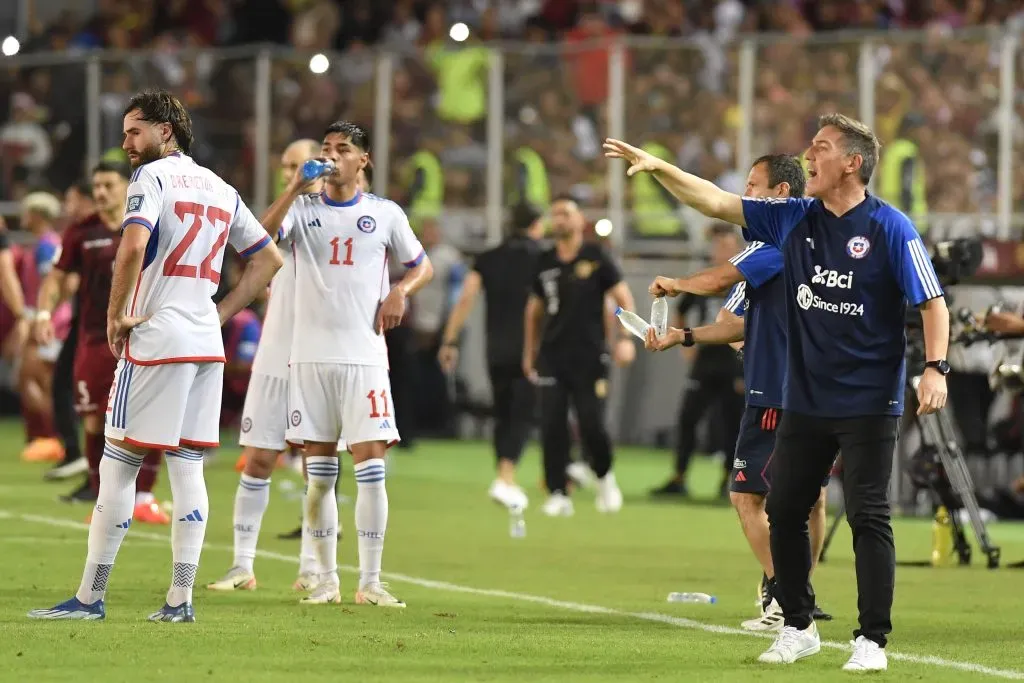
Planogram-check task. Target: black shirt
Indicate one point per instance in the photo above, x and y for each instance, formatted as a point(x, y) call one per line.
point(712, 360)
point(573, 295)
point(506, 272)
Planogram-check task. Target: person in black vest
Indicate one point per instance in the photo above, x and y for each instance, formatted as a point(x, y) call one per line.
point(505, 275)
point(565, 354)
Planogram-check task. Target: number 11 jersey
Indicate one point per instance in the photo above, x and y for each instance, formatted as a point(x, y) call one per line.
point(341, 274)
point(191, 214)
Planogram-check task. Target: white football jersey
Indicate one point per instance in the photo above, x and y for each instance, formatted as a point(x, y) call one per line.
point(191, 214)
point(341, 275)
point(275, 345)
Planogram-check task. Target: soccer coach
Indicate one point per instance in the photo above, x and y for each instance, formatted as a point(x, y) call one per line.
point(851, 264)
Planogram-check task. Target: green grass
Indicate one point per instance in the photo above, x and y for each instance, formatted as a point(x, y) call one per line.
point(477, 608)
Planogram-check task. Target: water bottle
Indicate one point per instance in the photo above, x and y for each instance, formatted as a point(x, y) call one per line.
point(943, 547)
point(632, 322)
point(315, 168)
point(516, 523)
point(659, 315)
point(692, 597)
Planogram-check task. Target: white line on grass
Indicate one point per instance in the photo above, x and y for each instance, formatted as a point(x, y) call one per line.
point(681, 622)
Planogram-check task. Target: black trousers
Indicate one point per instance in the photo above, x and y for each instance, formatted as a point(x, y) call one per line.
point(515, 399)
point(65, 420)
point(714, 393)
point(805, 448)
point(971, 397)
point(584, 382)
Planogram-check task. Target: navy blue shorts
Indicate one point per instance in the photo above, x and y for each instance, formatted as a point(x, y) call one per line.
point(751, 467)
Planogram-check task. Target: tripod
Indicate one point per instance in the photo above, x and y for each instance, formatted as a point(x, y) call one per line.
point(939, 465)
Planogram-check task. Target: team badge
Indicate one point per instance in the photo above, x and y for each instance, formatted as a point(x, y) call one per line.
point(366, 224)
point(858, 247)
point(585, 269)
point(246, 424)
point(135, 202)
point(296, 418)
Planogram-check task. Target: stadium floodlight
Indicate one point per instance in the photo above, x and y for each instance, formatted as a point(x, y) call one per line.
point(10, 46)
point(319, 63)
point(459, 32)
point(603, 227)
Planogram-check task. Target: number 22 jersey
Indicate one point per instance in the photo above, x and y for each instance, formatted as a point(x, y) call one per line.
point(341, 254)
point(191, 214)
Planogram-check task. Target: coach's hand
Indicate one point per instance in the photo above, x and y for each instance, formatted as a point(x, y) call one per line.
point(931, 392)
point(391, 311)
point(672, 337)
point(118, 330)
point(639, 161)
point(664, 286)
point(448, 357)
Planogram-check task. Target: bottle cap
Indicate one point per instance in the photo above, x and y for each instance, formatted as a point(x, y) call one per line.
point(618, 310)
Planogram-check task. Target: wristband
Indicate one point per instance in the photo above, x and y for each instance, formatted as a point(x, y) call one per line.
point(688, 337)
point(39, 315)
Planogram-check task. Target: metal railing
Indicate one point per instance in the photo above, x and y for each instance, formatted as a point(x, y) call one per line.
point(711, 107)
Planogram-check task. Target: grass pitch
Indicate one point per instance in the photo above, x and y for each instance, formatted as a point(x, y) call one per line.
point(577, 599)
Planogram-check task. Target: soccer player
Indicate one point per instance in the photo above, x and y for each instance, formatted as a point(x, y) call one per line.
point(759, 296)
point(851, 265)
point(568, 357)
point(164, 327)
point(78, 204)
point(87, 254)
point(505, 274)
point(338, 383)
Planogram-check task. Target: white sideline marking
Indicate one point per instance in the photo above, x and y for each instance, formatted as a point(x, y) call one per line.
point(681, 622)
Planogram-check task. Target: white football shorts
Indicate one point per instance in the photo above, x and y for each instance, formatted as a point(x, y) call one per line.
point(167, 405)
point(265, 414)
point(328, 401)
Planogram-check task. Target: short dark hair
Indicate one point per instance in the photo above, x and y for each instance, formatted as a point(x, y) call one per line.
point(82, 186)
point(368, 173)
point(119, 167)
point(858, 139)
point(524, 215)
point(353, 131)
point(784, 168)
point(160, 106)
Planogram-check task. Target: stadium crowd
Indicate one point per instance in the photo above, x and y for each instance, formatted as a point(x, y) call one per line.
point(937, 89)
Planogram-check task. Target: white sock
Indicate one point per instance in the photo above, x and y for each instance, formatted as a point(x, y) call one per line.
point(371, 518)
point(110, 519)
point(307, 554)
point(320, 513)
point(251, 500)
point(188, 520)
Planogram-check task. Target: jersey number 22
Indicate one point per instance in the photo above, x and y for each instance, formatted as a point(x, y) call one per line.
point(213, 214)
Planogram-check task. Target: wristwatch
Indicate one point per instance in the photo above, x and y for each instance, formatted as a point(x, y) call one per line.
point(688, 337)
point(941, 365)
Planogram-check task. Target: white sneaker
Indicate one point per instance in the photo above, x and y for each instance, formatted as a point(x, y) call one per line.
point(507, 494)
point(376, 594)
point(237, 579)
point(609, 497)
point(771, 620)
point(581, 473)
point(792, 644)
point(558, 505)
point(867, 656)
point(326, 593)
point(305, 582)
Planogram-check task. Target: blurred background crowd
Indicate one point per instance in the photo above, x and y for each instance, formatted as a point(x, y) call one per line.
point(938, 104)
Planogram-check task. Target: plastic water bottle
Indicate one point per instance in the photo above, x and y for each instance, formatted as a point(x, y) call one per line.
point(516, 523)
point(315, 168)
point(692, 597)
point(659, 315)
point(632, 322)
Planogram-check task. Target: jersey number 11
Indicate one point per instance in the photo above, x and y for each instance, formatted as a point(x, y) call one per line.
point(337, 243)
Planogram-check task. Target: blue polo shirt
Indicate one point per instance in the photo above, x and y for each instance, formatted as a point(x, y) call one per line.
point(847, 283)
point(761, 300)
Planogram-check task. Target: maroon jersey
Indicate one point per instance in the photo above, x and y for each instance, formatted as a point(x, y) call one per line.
point(89, 248)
